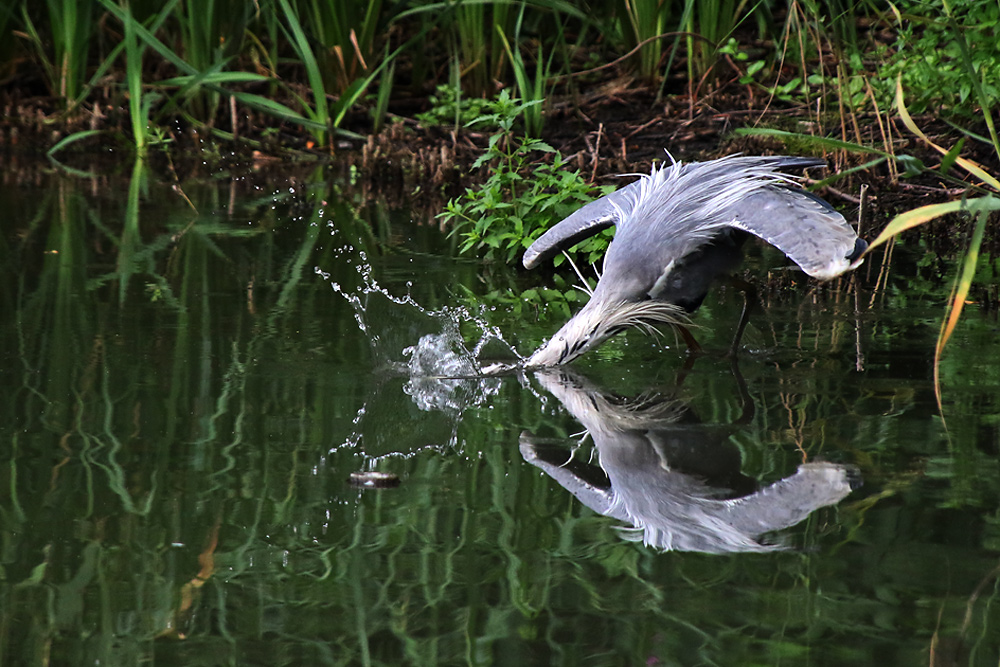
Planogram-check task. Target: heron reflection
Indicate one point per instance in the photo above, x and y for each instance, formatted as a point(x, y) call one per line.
point(676, 482)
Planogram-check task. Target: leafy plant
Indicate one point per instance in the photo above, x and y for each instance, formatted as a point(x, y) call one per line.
point(939, 60)
point(523, 196)
point(794, 90)
point(538, 303)
point(448, 106)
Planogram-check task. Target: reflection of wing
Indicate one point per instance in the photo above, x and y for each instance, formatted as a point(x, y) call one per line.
point(588, 483)
point(802, 226)
point(789, 501)
point(596, 216)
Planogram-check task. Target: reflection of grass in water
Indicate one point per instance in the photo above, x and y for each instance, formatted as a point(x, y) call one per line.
point(84, 388)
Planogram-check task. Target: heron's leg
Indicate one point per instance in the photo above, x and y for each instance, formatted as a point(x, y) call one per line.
point(685, 369)
point(749, 301)
point(748, 407)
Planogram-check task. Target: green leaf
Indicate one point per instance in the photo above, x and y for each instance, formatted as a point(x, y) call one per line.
point(949, 159)
point(71, 139)
point(216, 77)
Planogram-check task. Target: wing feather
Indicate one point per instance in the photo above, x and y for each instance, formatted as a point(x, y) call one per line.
point(586, 221)
point(804, 227)
point(807, 229)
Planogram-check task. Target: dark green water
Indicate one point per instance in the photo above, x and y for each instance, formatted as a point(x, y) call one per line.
point(185, 396)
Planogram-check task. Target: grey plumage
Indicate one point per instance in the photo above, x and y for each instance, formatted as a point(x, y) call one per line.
point(680, 227)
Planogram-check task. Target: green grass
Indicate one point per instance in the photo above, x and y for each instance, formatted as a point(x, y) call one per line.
point(60, 43)
point(344, 33)
point(647, 20)
point(314, 66)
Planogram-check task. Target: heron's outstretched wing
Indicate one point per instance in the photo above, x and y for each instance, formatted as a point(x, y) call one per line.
point(804, 227)
point(596, 216)
point(604, 212)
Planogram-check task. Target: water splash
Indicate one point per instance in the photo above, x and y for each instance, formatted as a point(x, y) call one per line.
point(445, 376)
point(445, 372)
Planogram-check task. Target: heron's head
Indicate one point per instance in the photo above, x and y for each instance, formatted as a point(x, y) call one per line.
point(598, 321)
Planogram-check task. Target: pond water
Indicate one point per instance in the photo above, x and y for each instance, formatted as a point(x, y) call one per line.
point(191, 376)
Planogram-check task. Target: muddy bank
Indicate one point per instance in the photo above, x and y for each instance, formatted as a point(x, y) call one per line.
point(621, 127)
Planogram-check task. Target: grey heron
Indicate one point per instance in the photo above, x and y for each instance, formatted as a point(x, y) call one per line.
point(679, 228)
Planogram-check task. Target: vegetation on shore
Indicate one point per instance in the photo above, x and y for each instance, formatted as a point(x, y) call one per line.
point(332, 69)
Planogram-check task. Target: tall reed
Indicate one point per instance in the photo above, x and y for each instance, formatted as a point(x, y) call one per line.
point(479, 32)
point(713, 21)
point(210, 35)
point(63, 56)
point(319, 110)
point(345, 34)
point(648, 20)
